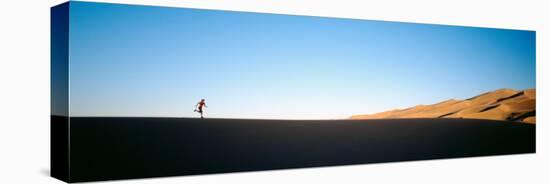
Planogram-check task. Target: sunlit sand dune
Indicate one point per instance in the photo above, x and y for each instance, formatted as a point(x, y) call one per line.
point(502, 104)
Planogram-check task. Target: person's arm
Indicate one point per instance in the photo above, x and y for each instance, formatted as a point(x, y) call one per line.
point(205, 105)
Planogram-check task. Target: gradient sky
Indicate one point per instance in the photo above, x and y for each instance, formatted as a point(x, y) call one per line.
point(156, 61)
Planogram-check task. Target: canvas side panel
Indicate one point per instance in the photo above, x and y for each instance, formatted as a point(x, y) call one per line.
point(59, 124)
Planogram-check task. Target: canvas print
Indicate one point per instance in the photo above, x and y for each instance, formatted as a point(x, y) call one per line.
point(146, 91)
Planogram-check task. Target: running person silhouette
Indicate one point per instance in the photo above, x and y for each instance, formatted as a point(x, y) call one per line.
point(199, 107)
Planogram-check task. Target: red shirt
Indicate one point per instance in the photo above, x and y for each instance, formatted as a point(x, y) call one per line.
point(201, 104)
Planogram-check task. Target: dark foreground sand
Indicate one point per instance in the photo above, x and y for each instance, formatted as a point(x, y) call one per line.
point(122, 148)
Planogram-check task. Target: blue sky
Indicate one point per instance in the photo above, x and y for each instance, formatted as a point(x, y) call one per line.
point(157, 61)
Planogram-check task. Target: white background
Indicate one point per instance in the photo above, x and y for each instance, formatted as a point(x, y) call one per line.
point(24, 91)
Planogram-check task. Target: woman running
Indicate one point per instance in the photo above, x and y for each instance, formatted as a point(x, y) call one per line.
point(199, 107)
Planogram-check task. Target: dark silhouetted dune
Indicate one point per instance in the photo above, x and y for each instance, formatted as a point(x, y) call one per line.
point(107, 148)
point(502, 104)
